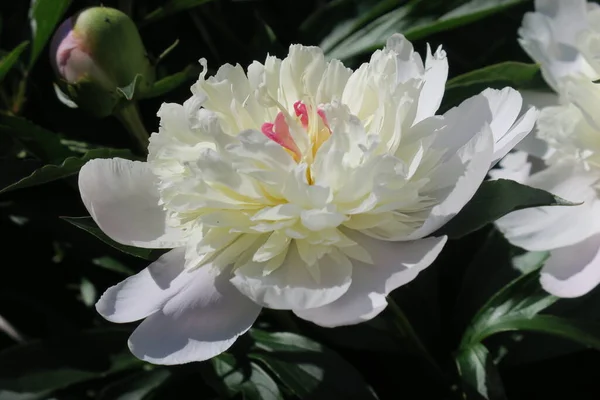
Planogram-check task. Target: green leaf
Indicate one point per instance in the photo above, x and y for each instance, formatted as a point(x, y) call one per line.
point(136, 386)
point(69, 167)
point(493, 200)
point(42, 143)
point(514, 307)
point(582, 332)
point(495, 264)
point(360, 37)
point(170, 82)
point(44, 15)
point(88, 225)
point(308, 369)
point(479, 374)
point(56, 363)
point(170, 8)
point(517, 75)
point(9, 60)
point(112, 265)
point(129, 91)
point(250, 380)
point(523, 298)
point(467, 13)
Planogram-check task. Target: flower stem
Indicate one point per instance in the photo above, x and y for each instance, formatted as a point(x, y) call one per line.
point(406, 331)
point(130, 118)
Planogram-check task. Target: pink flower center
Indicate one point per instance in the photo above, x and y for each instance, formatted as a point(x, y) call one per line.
point(315, 127)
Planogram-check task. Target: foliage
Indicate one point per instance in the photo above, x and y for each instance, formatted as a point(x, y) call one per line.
point(54, 345)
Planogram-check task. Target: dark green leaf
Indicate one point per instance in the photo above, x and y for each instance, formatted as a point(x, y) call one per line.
point(517, 75)
point(359, 39)
point(9, 60)
point(308, 368)
point(495, 264)
point(514, 307)
point(136, 386)
point(528, 347)
point(479, 374)
point(493, 200)
point(88, 225)
point(170, 82)
point(582, 332)
point(56, 363)
point(250, 380)
point(69, 167)
point(44, 15)
point(10, 395)
point(344, 29)
point(172, 7)
point(523, 298)
point(42, 143)
point(471, 11)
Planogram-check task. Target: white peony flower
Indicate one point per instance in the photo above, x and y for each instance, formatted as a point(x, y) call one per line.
point(563, 36)
point(297, 185)
point(572, 171)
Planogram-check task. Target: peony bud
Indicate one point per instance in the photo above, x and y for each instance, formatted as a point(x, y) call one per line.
point(96, 54)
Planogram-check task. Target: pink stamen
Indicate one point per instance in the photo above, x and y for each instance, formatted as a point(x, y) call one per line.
point(324, 118)
point(279, 132)
point(302, 113)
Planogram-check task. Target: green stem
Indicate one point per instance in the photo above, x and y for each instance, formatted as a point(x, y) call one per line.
point(407, 332)
point(130, 118)
point(20, 95)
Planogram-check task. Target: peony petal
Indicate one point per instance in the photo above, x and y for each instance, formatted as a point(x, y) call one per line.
point(505, 106)
point(395, 264)
point(121, 197)
point(468, 168)
point(546, 228)
point(146, 292)
point(202, 320)
point(436, 74)
point(550, 36)
point(514, 166)
point(574, 270)
point(292, 286)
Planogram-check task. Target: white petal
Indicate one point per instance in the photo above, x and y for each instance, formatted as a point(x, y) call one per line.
point(468, 168)
point(202, 320)
point(122, 198)
point(496, 108)
point(505, 106)
point(436, 74)
point(546, 228)
point(515, 134)
point(550, 35)
point(395, 264)
point(146, 292)
point(292, 286)
point(574, 270)
point(514, 166)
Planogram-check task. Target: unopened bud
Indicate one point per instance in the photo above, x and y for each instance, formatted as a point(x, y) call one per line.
point(96, 54)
